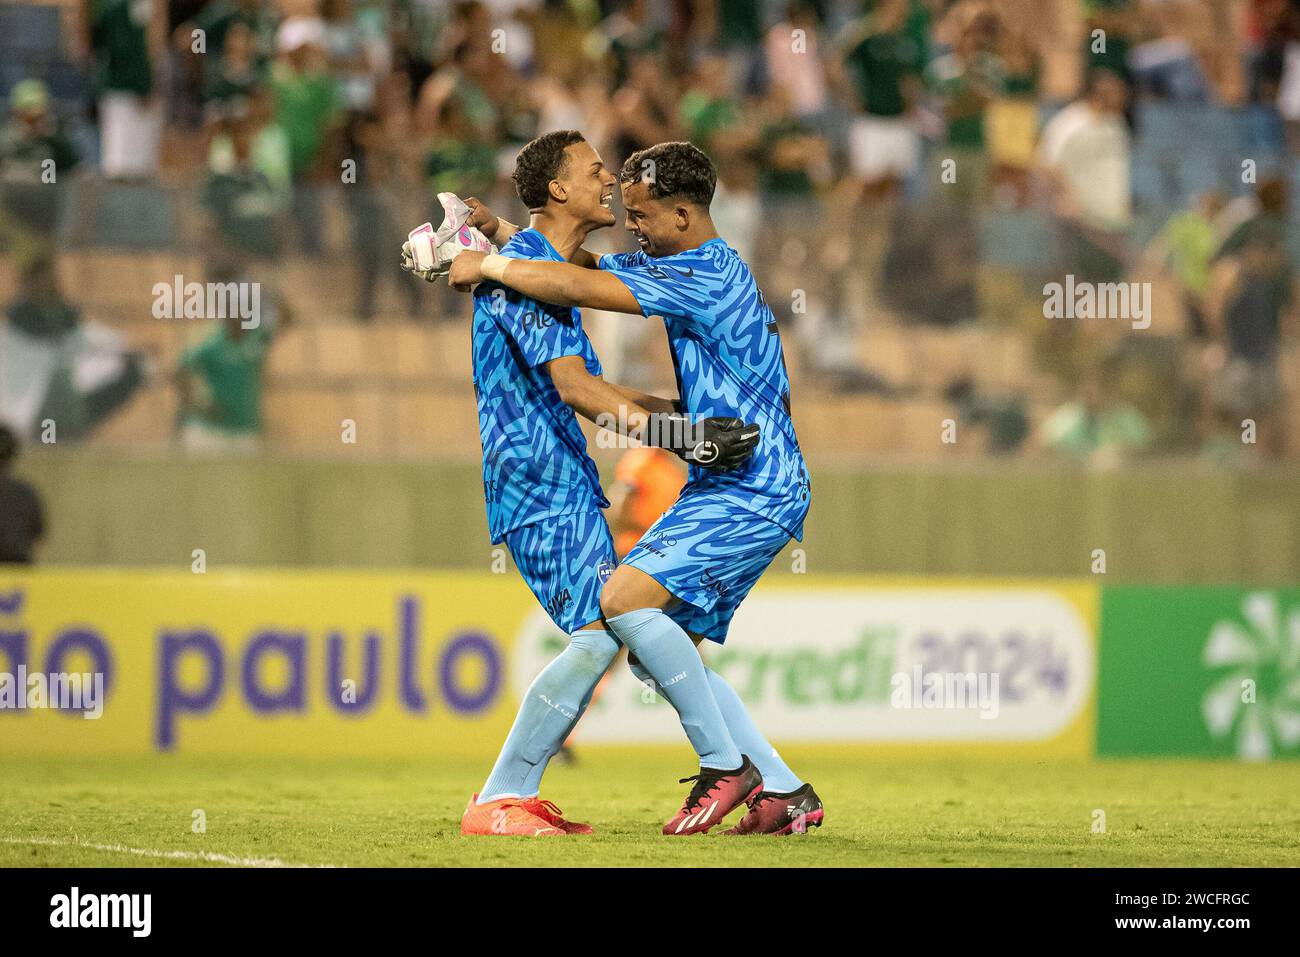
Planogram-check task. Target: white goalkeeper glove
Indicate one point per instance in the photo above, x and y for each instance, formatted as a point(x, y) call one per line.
point(428, 253)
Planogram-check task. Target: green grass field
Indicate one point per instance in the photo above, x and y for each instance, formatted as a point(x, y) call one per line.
point(880, 811)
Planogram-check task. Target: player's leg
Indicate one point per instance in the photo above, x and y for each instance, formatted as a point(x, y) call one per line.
point(591, 634)
point(777, 775)
point(550, 708)
point(660, 571)
point(563, 561)
point(787, 804)
point(744, 546)
point(634, 605)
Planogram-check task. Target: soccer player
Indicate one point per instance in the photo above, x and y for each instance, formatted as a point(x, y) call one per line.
point(684, 579)
point(534, 367)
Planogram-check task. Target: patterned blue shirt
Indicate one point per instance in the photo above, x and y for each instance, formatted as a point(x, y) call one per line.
point(729, 362)
point(535, 461)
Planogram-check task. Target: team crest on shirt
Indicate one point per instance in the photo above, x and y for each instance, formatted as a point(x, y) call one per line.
point(604, 569)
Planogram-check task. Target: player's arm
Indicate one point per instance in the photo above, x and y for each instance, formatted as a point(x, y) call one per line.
point(563, 284)
point(715, 443)
point(647, 401)
point(604, 403)
point(501, 231)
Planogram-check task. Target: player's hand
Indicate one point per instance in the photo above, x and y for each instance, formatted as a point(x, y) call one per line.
point(719, 443)
point(483, 218)
point(409, 264)
point(466, 270)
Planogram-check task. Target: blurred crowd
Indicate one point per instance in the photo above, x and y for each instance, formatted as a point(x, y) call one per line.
point(884, 165)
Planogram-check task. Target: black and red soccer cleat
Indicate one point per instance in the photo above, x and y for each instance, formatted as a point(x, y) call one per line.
point(715, 795)
point(780, 814)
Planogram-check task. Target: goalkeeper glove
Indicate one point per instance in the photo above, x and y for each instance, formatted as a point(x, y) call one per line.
point(719, 443)
point(428, 253)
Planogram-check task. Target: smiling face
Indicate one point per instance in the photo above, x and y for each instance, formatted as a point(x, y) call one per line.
point(655, 224)
point(587, 185)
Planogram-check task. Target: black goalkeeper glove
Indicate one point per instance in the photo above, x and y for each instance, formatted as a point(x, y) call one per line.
point(720, 443)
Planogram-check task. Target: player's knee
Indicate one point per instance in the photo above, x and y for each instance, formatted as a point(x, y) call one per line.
point(616, 600)
point(630, 590)
point(594, 649)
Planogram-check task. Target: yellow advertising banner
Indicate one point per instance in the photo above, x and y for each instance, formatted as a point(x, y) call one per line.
point(409, 663)
point(263, 661)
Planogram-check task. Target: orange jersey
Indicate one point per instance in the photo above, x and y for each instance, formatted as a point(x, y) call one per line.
point(655, 480)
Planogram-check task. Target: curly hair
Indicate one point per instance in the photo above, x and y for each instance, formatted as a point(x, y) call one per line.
point(671, 170)
point(538, 163)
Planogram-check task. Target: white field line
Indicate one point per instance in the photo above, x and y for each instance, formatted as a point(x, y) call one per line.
point(205, 856)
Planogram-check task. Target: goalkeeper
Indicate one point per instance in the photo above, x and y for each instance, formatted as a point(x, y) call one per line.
point(534, 367)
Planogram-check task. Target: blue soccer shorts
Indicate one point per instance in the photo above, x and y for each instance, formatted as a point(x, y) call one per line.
point(709, 554)
point(565, 560)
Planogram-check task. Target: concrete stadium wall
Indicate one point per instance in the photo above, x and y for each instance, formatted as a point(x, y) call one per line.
point(1156, 524)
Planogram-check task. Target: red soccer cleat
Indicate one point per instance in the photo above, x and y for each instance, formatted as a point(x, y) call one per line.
point(715, 795)
point(505, 817)
point(781, 814)
point(551, 814)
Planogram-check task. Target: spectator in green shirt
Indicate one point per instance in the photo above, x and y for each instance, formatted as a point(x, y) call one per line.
point(965, 82)
point(247, 188)
point(708, 109)
point(130, 118)
point(882, 63)
point(459, 157)
point(238, 71)
point(1186, 246)
point(220, 379)
point(36, 160)
point(219, 17)
point(306, 108)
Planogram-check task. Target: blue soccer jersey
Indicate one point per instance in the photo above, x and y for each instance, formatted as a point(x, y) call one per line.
point(729, 362)
point(535, 461)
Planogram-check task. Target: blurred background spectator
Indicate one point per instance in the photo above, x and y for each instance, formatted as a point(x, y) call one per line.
point(60, 378)
point(220, 380)
point(36, 156)
point(22, 517)
point(125, 38)
point(905, 177)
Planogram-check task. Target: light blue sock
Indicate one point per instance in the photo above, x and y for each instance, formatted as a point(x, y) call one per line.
point(669, 656)
point(533, 781)
point(554, 702)
point(777, 776)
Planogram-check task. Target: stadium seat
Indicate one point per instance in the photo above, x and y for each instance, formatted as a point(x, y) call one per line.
point(339, 349)
point(1021, 239)
point(131, 216)
point(29, 31)
point(435, 422)
point(303, 419)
